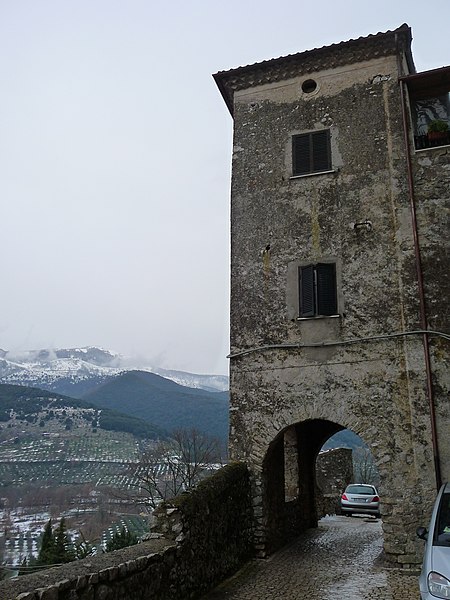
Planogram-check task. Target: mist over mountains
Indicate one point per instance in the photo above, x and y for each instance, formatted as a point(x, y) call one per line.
point(75, 371)
point(165, 399)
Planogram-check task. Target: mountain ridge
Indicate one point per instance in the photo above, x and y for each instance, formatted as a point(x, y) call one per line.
point(109, 380)
point(163, 402)
point(74, 371)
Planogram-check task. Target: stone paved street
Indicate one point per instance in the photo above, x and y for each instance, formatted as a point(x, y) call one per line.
point(337, 561)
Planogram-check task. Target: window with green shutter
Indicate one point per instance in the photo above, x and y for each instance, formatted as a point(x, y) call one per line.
point(311, 152)
point(317, 290)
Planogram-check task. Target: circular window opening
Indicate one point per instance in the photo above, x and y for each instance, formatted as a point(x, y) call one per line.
point(309, 86)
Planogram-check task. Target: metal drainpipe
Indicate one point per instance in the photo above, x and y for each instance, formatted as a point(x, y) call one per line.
point(423, 317)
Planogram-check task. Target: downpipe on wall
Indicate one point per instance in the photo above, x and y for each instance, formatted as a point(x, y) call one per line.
point(419, 273)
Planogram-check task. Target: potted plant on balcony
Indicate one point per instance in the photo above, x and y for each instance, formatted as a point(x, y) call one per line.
point(437, 132)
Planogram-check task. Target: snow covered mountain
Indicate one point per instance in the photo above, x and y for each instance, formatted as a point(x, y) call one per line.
point(80, 369)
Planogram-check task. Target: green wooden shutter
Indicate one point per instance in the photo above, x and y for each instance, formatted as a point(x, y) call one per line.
point(326, 289)
point(321, 155)
point(306, 290)
point(311, 152)
point(301, 154)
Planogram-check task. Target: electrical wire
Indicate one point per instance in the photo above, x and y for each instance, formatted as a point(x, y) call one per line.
point(372, 338)
point(314, 365)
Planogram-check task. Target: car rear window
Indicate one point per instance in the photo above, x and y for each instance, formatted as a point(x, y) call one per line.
point(361, 489)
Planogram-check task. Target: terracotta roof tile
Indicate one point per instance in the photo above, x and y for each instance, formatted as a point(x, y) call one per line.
point(283, 67)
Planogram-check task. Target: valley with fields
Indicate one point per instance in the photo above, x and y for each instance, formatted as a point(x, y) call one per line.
point(103, 456)
point(77, 458)
point(58, 462)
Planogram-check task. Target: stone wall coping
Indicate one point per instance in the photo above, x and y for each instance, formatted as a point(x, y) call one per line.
point(101, 566)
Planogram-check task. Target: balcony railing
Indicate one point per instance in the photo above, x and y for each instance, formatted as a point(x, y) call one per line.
point(432, 140)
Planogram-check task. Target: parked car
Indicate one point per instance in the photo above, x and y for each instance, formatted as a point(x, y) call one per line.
point(434, 580)
point(360, 498)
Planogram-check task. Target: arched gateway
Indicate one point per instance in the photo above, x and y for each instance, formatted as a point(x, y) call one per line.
point(339, 278)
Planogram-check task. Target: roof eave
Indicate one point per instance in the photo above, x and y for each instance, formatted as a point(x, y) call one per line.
point(223, 78)
point(223, 90)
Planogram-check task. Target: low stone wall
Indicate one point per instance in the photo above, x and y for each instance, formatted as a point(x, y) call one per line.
point(207, 536)
point(334, 471)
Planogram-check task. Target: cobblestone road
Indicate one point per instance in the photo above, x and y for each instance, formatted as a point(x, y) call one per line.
point(337, 561)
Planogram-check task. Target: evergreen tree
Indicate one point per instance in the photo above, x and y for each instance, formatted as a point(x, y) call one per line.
point(46, 551)
point(63, 548)
point(56, 546)
point(121, 539)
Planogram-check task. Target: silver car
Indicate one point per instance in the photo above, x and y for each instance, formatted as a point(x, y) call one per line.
point(360, 498)
point(434, 580)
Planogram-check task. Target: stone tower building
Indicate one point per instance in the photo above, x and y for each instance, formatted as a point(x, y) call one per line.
point(339, 277)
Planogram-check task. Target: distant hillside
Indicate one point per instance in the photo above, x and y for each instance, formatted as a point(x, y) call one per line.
point(50, 409)
point(75, 371)
point(344, 439)
point(164, 402)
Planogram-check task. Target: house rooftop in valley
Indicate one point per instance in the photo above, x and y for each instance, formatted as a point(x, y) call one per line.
point(325, 57)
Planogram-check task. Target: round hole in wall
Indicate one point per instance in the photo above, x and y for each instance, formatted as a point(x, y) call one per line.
point(309, 86)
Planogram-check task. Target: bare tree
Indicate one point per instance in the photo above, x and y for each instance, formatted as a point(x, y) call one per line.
point(174, 466)
point(364, 467)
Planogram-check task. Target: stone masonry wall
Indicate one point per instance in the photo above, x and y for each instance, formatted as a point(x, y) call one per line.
point(280, 374)
point(431, 168)
point(208, 536)
point(334, 471)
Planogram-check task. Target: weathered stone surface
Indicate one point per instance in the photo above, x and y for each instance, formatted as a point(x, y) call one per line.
point(103, 592)
point(296, 381)
point(82, 582)
point(341, 559)
point(50, 593)
point(123, 570)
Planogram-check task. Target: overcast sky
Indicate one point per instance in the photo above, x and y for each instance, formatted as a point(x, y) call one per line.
point(115, 150)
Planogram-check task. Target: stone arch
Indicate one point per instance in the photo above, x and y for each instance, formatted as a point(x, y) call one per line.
point(287, 485)
point(268, 404)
